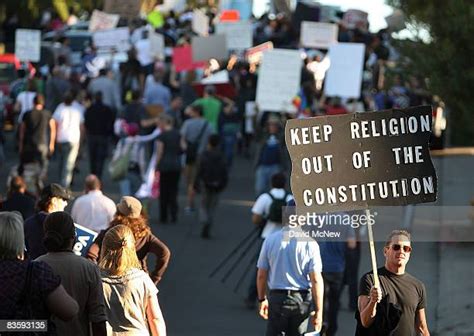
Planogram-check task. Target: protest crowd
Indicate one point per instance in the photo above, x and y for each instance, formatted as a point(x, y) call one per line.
point(164, 103)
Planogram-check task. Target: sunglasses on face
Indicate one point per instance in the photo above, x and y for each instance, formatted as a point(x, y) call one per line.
point(397, 247)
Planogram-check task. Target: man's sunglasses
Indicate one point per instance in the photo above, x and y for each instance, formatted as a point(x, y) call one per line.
point(397, 247)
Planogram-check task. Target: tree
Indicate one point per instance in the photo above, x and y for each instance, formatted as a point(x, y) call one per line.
point(446, 59)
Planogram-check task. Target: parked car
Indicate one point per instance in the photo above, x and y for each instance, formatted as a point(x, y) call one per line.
point(9, 65)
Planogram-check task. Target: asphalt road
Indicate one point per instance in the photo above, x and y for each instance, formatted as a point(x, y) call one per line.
point(194, 303)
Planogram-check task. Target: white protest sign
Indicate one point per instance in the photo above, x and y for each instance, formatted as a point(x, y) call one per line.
point(279, 80)
point(239, 34)
point(113, 39)
point(344, 76)
point(200, 23)
point(318, 34)
point(28, 45)
point(101, 20)
point(217, 78)
point(157, 45)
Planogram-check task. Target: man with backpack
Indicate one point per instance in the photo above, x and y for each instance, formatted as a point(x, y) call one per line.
point(195, 133)
point(267, 213)
point(213, 175)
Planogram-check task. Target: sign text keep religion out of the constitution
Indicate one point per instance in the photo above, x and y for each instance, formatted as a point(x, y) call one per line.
point(359, 160)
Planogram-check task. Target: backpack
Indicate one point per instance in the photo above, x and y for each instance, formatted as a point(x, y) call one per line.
point(214, 173)
point(275, 213)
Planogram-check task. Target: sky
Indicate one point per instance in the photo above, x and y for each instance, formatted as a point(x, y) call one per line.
point(377, 9)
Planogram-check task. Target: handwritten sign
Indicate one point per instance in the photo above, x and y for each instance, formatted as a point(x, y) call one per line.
point(28, 44)
point(318, 34)
point(279, 80)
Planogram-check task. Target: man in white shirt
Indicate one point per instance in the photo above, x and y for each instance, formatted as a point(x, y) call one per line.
point(93, 210)
point(144, 54)
point(69, 118)
point(267, 214)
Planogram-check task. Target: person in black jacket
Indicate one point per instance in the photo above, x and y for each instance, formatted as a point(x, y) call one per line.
point(212, 175)
point(99, 123)
point(19, 199)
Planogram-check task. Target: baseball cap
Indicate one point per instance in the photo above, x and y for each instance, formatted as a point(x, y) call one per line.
point(55, 190)
point(130, 207)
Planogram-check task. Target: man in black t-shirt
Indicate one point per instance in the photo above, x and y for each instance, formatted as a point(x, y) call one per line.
point(398, 287)
point(34, 145)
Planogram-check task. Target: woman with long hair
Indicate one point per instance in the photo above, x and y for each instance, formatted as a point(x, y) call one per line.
point(129, 213)
point(131, 300)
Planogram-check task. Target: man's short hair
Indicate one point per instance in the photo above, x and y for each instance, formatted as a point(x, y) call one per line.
point(198, 109)
point(167, 119)
point(39, 99)
point(16, 184)
point(278, 180)
point(210, 90)
point(92, 182)
point(397, 233)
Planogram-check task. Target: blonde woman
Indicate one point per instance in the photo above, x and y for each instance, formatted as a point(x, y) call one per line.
point(130, 295)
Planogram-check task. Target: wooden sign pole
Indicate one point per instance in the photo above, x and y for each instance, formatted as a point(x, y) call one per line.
point(373, 256)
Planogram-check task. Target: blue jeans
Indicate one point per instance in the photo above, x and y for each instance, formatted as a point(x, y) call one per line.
point(228, 145)
point(67, 158)
point(263, 177)
point(130, 184)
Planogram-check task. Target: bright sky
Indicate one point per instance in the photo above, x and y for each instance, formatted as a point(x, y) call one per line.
point(377, 9)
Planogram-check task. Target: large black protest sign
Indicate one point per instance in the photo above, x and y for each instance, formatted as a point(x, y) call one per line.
point(360, 160)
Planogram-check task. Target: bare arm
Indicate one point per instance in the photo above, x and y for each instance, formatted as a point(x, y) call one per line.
point(155, 317)
point(52, 135)
point(317, 292)
point(61, 304)
point(257, 219)
point(262, 275)
point(368, 306)
point(421, 325)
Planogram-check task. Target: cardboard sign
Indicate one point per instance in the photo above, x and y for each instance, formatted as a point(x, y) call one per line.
point(239, 34)
point(28, 45)
point(229, 15)
point(125, 8)
point(355, 18)
point(344, 76)
point(205, 48)
point(318, 34)
point(183, 59)
point(113, 39)
point(356, 161)
point(85, 238)
point(200, 24)
point(157, 45)
point(101, 20)
point(254, 55)
point(279, 80)
point(217, 78)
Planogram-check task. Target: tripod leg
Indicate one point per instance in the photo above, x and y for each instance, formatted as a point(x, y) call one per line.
point(242, 277)
point(231, 254)
point(242, 255)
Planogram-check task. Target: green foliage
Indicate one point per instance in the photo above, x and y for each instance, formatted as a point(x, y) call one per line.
point(447, 59)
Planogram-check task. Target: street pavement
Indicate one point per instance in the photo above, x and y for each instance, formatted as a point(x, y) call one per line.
point(194, 303)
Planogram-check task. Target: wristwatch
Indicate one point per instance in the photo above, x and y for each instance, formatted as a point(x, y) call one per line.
point(261, 300)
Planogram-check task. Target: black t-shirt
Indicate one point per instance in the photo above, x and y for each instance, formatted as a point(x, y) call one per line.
point(404, 290)
point(36, 127)
point(170, 160)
